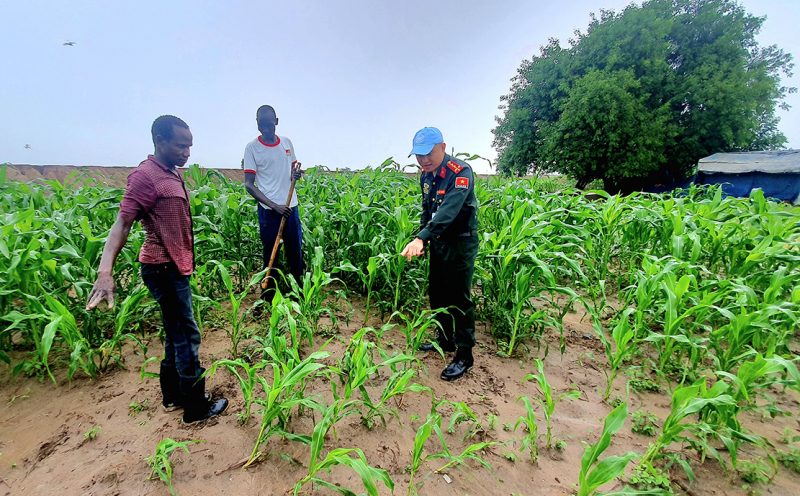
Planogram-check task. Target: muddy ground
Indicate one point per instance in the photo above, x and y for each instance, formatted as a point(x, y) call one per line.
point(44, 450)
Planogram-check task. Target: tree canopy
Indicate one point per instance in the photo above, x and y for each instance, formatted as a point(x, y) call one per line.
point(644, 94)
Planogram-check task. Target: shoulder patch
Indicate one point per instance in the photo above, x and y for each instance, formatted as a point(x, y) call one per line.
point(454, 167)
point(462, 182)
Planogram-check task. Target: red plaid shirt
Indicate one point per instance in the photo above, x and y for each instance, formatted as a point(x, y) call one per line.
point(157, 196)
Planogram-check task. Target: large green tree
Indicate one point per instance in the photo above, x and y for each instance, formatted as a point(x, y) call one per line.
point(644, 94)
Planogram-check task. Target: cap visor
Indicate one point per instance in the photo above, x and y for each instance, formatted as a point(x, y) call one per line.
point(421, 150)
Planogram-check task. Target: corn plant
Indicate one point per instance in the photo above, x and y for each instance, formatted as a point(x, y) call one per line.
point(160, 464)
point(236, 319)
point(285, 392)
point(367, 279)
point(397, 385)
point(395, 265)
point(432, 424)
point(548, 401)
point(82, 355)
point(463, 413)
point(624, 346)
point(126, 314)
point(356, 368)
point(687, 401)
point(528, 420)
point(311, 295)
point(281, 319)
point(416, 327)
point(752, 379)
point(200, 303)
point(595, 472)
point(471, 452)
point(370, 476)
point(247, 381)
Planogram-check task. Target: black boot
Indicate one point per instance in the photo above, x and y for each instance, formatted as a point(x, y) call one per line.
point(170, 382)
point(170, 387)
point(461, 363)
point(198, 407)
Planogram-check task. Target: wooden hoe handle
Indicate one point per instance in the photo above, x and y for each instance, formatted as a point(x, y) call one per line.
point(264, 283)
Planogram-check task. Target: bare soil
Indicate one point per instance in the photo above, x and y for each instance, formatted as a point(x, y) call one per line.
point(44, 451)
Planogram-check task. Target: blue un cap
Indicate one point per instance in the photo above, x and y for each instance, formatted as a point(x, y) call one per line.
point(425, 139)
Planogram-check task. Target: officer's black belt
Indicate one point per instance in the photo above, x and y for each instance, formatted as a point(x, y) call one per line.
point(467, 234)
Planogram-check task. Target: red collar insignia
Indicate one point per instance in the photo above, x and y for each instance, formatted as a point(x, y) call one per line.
point(454, 167)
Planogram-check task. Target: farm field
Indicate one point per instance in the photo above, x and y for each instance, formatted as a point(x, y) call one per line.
point(685, 308)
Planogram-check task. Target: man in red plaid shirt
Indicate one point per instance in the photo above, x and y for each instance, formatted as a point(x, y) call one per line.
point(157, 197)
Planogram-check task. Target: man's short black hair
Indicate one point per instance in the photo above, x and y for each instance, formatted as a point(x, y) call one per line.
point(164, 127)
point(264, 107)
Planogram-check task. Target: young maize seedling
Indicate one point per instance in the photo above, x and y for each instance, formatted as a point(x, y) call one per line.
point(63, 321)
point(432, 424)
point(160, 463)
point(595, 472)
point(126, 315)
point(92, 434)
point(471, 452)
point(311, 295)
point(367, 279)
point(357, 367)
point(234, 317)
point(398, 384)
point(548, 401)
point(622, 335)
point(416, 327)
point(687, 401)
point(285, 392)
point(370, 476)
point(529, 421)
point(281, 319)
point(247, 382)
point(200, 303)
point(463, 413)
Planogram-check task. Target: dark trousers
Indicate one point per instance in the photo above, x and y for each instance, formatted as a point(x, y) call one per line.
point(171, 290)
point(269, 223)
point(452, 263)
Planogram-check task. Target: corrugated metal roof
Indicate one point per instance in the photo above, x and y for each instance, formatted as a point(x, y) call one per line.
point(772, 162)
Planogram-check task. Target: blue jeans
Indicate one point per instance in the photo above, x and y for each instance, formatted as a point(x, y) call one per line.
point(171, 290)
point(269, 223)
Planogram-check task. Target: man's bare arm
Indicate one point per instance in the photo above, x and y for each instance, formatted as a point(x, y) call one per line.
point(104, 287)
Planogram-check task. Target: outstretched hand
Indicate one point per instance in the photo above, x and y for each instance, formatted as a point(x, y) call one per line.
point(104, 289)
point(413, 249)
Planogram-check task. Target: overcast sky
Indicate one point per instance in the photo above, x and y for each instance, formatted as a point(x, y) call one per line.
point(351, 81)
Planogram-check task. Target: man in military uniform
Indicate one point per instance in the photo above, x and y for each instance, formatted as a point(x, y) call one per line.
point(449, 228)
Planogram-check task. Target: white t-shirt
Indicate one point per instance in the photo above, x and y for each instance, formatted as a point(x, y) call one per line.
point(272, 165)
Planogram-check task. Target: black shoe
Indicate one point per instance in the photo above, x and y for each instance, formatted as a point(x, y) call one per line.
point(206, 410)
point(446, 347)
point(461, 363)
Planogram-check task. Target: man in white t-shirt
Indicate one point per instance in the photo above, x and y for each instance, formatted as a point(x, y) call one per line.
point(268, 162)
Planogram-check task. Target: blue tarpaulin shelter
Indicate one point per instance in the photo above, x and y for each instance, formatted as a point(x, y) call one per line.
point(777, 173)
